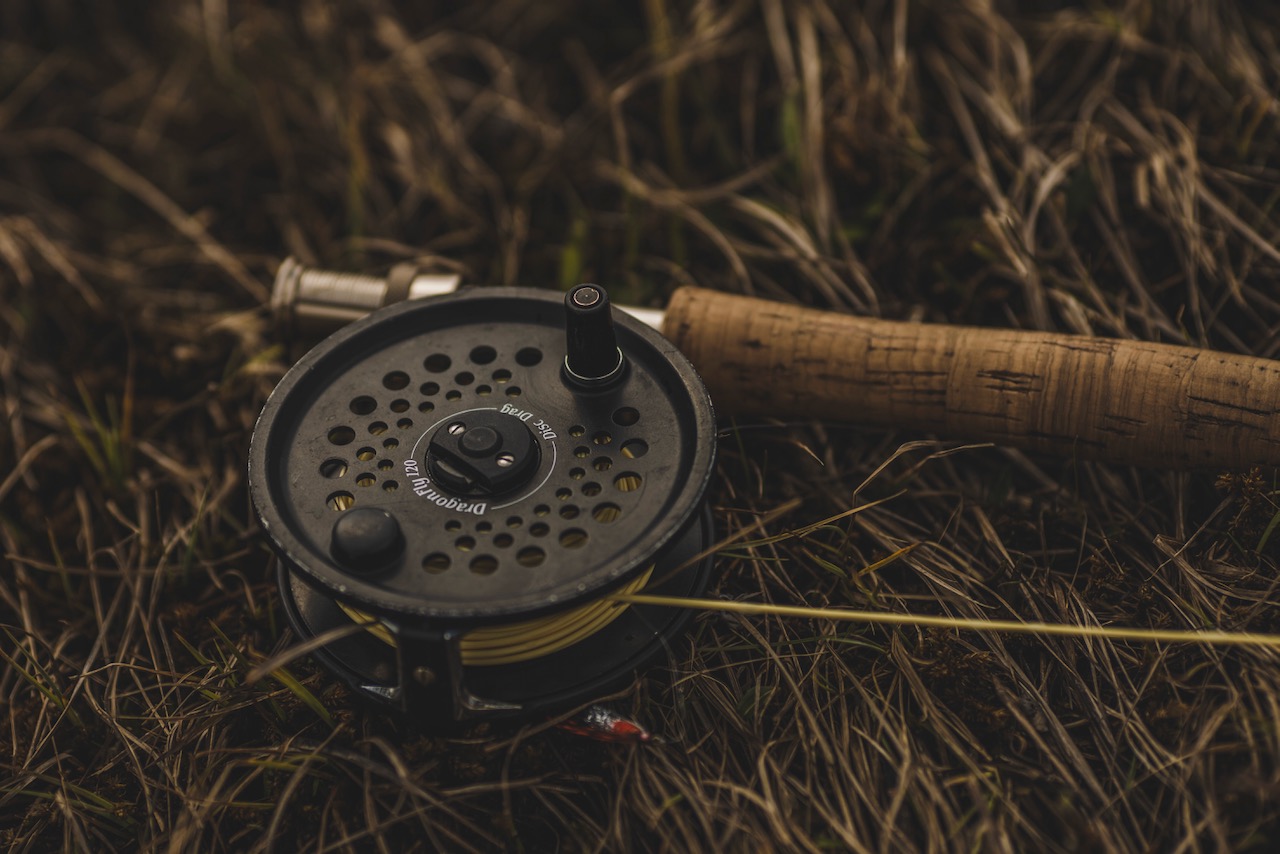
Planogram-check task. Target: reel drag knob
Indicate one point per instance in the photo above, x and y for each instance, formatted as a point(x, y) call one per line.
point(366, 539)
point(484, 453)
point(472, 476)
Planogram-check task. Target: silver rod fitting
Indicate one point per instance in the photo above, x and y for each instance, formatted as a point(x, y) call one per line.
point(310, 303)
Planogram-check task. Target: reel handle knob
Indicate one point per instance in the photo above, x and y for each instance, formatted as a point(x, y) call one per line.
point(592, 357)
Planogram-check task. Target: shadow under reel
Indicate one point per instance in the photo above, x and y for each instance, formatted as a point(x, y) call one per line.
point(469, 477)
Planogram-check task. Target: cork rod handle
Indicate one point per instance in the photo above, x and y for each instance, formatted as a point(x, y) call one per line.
point(1123, 401)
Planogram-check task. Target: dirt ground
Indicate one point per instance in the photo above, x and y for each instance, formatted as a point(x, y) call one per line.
point(1104, 168)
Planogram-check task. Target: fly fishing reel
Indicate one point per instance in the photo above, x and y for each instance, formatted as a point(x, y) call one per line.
point(467, 479)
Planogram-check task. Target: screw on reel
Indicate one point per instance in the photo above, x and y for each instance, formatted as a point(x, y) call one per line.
point(470, 477)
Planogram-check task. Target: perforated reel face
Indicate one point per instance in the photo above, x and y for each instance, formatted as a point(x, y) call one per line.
point(510, 492)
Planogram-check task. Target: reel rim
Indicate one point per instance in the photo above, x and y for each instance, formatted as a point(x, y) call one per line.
point(307, 375)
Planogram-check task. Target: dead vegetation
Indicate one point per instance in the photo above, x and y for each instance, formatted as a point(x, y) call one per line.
point(1098, 168)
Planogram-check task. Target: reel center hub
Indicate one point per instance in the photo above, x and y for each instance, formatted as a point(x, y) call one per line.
point(487, 452)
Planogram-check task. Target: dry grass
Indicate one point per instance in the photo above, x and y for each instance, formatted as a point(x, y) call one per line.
point(1106, 169)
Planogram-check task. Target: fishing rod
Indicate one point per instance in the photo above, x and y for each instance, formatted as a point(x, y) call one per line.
point(1122, 401)
point(503, 488)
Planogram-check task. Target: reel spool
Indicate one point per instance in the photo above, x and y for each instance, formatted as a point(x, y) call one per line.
point(470, 477)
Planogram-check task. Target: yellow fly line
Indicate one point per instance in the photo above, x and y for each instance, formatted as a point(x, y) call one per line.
point(511, 643)
point(1203, 636)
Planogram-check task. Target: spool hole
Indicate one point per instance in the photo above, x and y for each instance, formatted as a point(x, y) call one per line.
point(484, 564)
point(483, 355)
point(625, 416)
point(574, 538)
point(436, 562)
point(437, 363)
point(340, 501)
point(333, 468)
point(634, 449)
point(342, 435)
point(606, 512)
point(366, 454)
point(399, 405)
point(530, 556)
point(395, 380)
point(628, 482)
point(363, 405)
point(527, 357)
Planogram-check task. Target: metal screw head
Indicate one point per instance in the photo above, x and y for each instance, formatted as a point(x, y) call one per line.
point(457, 428)
point(504, 459)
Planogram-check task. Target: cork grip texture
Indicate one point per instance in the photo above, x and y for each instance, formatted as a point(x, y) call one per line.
point(1124, 401)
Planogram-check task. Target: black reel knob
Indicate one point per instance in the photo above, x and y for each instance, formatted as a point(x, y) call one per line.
point(471, 476)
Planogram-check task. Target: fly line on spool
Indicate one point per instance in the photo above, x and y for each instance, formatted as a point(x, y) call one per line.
point(512, 643)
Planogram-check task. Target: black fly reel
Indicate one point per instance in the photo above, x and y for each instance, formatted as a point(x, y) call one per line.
point(469, 478)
